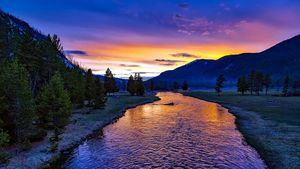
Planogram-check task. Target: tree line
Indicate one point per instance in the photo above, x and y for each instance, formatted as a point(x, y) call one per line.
point(256, 82)
point(175, 86)
point(135, 85)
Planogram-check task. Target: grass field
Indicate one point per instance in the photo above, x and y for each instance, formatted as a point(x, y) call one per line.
point(270, 124)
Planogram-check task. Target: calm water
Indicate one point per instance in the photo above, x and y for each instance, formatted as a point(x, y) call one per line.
point(190, 134)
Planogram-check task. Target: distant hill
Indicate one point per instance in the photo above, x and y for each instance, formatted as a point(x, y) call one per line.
point(279, 60)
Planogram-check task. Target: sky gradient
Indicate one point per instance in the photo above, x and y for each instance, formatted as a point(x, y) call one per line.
point(151, 36)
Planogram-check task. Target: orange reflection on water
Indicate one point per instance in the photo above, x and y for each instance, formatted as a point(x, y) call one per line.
point(190, 134)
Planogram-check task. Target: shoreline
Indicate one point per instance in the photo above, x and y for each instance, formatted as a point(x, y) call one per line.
point(39, 157)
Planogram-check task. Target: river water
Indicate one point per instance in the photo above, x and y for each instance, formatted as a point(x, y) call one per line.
point(189, 134)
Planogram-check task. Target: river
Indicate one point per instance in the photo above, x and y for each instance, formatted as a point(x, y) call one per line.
point(192, 133)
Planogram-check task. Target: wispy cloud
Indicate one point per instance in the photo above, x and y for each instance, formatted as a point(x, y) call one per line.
point(185, 55)
point(168, 62)
point(127, 65)
point(76, 52)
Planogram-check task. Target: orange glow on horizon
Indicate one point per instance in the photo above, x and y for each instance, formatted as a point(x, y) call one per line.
point(141, 57)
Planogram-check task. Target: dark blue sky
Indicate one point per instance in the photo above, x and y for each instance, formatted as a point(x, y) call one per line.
point(151, 36)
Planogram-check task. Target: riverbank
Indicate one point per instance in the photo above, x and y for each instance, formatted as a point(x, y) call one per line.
point(83, 124)
point(270, 124)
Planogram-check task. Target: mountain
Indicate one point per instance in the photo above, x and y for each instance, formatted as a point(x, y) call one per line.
point(278, 61)
point(18, 27)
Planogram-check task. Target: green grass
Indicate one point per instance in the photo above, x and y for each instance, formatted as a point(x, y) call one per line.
point(279, 109)
point(270, 124)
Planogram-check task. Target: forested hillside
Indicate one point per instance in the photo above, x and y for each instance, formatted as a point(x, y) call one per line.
point(38, 85)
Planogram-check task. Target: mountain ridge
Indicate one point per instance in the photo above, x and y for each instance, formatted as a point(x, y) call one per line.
point(279, 60)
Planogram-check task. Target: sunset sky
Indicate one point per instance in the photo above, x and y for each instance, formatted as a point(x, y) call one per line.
point(151, 36)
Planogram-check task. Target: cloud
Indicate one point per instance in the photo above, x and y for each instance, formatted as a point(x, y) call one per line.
point(126, 65)
point(168, 62)
point(143, 73)
point(185, 55)
point(76, 52)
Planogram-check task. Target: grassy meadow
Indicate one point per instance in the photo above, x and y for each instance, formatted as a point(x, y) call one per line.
point(270, 124)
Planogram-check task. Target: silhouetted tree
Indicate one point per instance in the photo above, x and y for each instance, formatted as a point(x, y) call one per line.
point(258, 82)
point(220, 84)
point(285, 89)
point(109, 82)
point(100, 98)
point(242, 85)
point(267, 82)
point(185, 86)
point(175, 86)
point(140, 89)
point(251, 81)
point(131, 85)
point(135, 85)
point(90, 87)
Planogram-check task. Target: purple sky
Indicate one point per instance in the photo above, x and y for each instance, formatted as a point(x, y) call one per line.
point(152, 36)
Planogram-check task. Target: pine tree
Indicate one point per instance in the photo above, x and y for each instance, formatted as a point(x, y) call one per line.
point(18, 106)
point(175, 86)
point(54, 105)
point(251, 79)
point(185, 86)
point(75, 84)
point(220, 84)
point(285, 89)
point(131, 85)
point(267, 82)
point(90, 87)
point(109, 82)
point(140, 89)
point(258, 82)
point(242, 85)
point(99, 94)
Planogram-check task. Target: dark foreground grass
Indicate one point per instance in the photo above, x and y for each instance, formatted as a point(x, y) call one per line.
point(82, 125)
point(270, 124)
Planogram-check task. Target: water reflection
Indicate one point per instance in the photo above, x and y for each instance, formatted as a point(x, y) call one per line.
point(190, 134)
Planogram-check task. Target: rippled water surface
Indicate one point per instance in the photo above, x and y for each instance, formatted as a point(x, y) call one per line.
point(191, 134)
